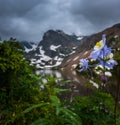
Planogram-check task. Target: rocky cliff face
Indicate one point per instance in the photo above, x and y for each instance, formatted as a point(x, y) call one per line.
point(112, 34)
point(57, 42)
point(53, 49)
point(28, 46)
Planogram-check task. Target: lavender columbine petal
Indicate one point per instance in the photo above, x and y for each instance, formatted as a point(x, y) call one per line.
point(111, 63)
point(99, 49)
point(83, 64)
point(106, 51)
point(94, 54)
point(102, 63)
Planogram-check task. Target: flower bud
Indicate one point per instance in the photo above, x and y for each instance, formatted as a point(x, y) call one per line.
point(104, 78)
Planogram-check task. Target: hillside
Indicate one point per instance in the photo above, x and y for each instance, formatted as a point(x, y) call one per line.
point(58, 49)
point(88, 42)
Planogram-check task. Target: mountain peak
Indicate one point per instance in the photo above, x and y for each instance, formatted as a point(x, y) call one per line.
point(116, 25)
point(53, 48)
point(51, 33)
point(57, 46)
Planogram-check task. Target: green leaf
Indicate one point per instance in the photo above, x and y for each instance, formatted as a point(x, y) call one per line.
point(72, 117)
point(42, 121)
point(56, 103)
point(34, 106)
point(55, 100)
point(57, 90)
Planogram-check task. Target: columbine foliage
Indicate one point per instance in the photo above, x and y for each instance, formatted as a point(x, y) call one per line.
point(102, 57)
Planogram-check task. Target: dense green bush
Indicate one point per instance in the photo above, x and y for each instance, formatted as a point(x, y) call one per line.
point(53, 111)
point(18, 84)
point(95, 110)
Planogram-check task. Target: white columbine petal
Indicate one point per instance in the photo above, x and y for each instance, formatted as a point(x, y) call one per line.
point(99, 45)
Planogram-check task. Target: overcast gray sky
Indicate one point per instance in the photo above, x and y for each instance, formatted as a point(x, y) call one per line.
point(29, 19)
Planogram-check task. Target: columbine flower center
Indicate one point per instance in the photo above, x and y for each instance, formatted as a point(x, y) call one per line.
point(99, 44)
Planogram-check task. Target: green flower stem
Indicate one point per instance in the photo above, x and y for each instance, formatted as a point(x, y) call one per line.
point(117, 92)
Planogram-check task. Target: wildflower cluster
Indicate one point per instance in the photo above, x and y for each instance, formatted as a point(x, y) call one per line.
point(102, 54)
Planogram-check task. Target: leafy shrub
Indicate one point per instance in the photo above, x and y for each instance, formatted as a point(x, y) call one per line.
point(95, 110)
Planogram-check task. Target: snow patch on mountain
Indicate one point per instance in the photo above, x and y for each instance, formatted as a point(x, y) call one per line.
point(44, 61)
point(53, 47)
point(75, 58)
point(80, 37)
point(42, 55)
point(42, 52)
point(27, 50)
point(32, 47)
point(74, 47)
point(58, 62)
point(72, 52)
point(46, 58)
point(61, 54)
point(85, 53)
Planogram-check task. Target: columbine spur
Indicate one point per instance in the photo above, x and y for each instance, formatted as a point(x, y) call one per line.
point(83, 64)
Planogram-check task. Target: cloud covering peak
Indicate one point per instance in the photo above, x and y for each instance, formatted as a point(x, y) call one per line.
point(29, 19)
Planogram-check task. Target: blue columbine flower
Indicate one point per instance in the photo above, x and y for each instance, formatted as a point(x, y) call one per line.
point(104, 57)
point(102, 53)
point(83, 64)
point(109, 63)
point(98, 48)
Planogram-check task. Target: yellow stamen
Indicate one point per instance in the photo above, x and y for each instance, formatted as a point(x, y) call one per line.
point(99, 44)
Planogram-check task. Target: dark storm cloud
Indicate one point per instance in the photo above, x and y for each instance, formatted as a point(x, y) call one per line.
point(29, 19)
point(17, 7)
point(97, 14)
point(12, 17)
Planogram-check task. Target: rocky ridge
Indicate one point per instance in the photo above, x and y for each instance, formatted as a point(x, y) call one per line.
point(60, 49)
point(53, 49)
point(88, 42)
